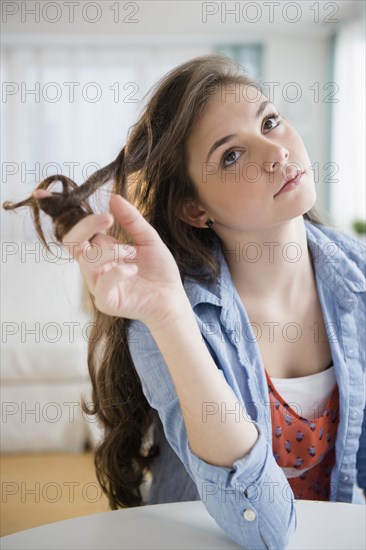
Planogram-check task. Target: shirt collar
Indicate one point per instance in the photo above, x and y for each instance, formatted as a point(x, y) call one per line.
point(332, 266)
point(334, 256)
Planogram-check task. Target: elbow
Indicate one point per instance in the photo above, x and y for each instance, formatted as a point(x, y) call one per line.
point(261, 533)
point(283, 538)
point(278, 540)
point(279, 536)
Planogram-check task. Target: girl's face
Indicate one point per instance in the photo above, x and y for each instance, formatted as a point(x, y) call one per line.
point(240, 155)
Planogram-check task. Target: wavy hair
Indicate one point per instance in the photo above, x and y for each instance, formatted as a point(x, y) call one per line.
point(151, 171)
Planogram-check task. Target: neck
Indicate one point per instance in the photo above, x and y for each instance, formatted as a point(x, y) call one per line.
point(274, 263)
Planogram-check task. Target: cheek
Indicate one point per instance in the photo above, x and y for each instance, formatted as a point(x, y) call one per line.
point(235, 190)
point(235, 202)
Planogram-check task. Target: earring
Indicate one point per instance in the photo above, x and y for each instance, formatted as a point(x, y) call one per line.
point(209, 223)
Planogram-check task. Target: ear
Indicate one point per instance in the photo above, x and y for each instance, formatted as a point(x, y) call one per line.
point(193, 214)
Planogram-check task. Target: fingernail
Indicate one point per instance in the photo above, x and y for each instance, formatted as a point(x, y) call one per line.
point(41, 193)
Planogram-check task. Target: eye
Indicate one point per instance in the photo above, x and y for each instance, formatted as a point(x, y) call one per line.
point(273, 121)
point(230, 157)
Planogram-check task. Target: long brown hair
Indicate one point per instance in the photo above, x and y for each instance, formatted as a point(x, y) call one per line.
point(151, 171)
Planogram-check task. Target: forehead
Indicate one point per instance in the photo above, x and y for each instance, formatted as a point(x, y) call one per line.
point(247, 95)
point(231, 104)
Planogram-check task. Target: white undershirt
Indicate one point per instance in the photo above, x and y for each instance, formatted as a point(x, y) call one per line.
point(307, 395)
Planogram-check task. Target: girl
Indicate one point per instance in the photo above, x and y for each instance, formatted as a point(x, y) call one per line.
point(226, 355)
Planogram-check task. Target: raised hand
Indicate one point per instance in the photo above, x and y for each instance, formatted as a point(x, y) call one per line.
point(136, 282)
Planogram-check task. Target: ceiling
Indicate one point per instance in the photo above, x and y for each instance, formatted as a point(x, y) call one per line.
point(185, 21)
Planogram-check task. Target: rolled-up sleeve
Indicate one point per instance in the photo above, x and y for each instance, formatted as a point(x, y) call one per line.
point(252, 501)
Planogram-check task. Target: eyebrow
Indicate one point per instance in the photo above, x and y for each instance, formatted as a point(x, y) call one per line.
point(225, 139)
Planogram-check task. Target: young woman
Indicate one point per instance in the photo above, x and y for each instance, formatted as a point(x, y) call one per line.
point(227, 352)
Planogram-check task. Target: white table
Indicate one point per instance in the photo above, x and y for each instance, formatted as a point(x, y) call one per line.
point(187, 525)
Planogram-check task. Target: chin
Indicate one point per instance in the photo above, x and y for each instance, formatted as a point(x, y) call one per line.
point(309, 200)
point(306, 199)
point(301, 207)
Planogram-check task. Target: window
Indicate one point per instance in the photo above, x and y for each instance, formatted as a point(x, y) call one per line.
point(347, 192)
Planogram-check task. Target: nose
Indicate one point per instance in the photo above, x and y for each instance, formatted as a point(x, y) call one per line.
point(275, 158)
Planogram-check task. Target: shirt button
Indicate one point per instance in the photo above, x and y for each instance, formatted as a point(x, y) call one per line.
point(350, 351)
point(345, 477)
point(249, 515)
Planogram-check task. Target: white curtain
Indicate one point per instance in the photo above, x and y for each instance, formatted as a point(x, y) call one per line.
point(68, 109)
point(65, 109)
point(348, 129)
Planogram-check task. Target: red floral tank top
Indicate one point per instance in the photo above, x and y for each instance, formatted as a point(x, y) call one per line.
point(304, 449)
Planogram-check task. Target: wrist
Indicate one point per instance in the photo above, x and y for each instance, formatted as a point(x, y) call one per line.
point(176, 309)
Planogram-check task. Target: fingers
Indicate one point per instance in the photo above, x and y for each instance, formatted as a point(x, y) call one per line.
point(86, 229)
point(133, 221)
point(95, 262)
point(103, 254)
point(125, 213)
point(79, 236)
point(94, 255)
point(41, 193)
point(82, 232)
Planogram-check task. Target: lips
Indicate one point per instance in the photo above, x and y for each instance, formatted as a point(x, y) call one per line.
point(290, 183)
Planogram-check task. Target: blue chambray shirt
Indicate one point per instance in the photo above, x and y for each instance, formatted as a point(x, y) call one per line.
point(252, 502)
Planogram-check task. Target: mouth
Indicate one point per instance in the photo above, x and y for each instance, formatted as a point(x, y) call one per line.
point(290, 183)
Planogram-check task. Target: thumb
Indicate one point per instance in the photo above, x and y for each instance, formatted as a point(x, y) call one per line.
point(133, 221)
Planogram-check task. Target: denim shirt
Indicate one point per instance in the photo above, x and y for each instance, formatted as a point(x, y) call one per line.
point(252, 501)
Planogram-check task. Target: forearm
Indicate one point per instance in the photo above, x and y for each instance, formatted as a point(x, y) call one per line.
point(220, 438)
point(254, 481)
